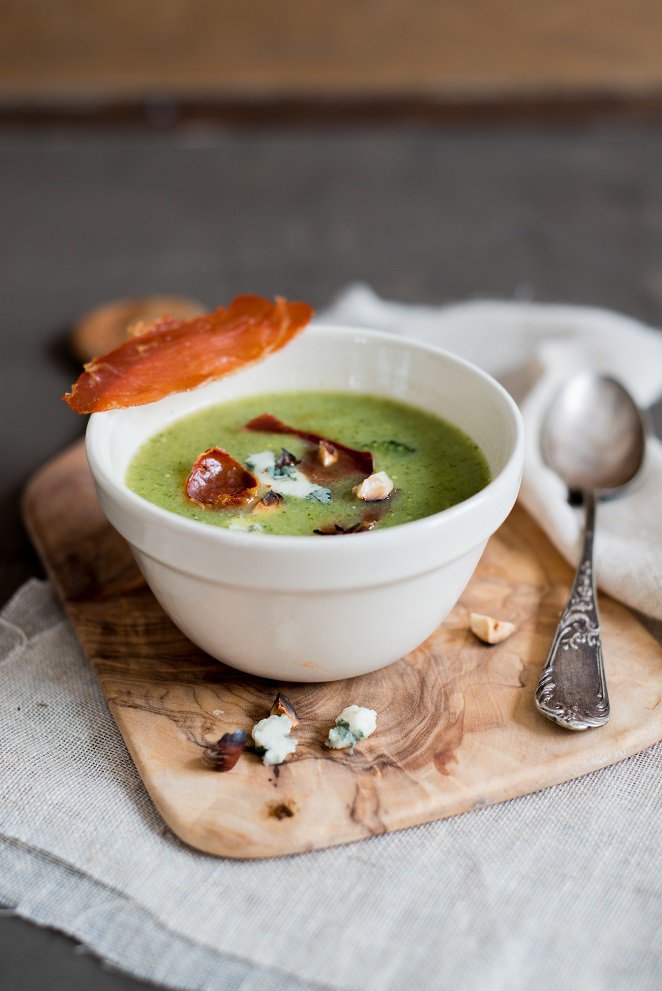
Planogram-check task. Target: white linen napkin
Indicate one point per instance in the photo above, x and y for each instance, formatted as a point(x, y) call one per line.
point(532, 349)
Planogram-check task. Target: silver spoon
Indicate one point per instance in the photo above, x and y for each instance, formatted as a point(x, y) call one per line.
point(594, 437)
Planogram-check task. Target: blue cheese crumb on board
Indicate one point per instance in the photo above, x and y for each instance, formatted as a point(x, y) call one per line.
point(273, 740)
point(355, 723)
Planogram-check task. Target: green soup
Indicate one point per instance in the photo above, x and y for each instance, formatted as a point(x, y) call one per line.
point(432, 463)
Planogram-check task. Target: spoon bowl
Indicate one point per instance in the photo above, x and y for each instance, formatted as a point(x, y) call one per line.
point(594, 437)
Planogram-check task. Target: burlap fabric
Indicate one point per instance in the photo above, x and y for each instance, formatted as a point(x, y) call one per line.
point(556, 890)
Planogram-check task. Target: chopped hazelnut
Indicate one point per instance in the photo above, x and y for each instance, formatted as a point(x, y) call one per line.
point(488, 629)
point(285, 459)
point(224, 754)
point(332, 530)
point(271, 500)
point(374, 488)
point(283, 707)
point(327, 454)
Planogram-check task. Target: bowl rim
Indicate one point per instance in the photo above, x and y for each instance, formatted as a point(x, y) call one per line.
point(304, 543)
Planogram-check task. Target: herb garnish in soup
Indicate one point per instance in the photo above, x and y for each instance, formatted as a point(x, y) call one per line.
point(308, 463)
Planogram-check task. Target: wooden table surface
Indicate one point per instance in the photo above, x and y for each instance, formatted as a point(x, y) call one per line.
point(459, 50)
point(569, 215)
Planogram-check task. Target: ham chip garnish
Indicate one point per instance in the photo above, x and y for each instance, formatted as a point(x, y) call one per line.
point(176, 355)
point(218, 481)
point(348, 460)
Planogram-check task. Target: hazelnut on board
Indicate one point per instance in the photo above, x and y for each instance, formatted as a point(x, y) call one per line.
point(224, 754)
point(283, 707)
point(488, 629)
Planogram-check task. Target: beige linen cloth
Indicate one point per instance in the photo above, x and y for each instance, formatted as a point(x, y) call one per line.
point(558, 890)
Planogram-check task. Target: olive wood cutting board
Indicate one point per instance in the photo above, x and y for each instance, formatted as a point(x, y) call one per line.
point(457, 726)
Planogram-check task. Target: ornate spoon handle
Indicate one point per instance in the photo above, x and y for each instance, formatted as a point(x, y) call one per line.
point(572, 689)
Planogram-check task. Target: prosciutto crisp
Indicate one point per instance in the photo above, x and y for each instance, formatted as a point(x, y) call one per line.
point(349, 460)
point(176, 355)
point(219, 481)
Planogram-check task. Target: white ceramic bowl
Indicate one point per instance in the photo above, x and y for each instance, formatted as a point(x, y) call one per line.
point(314, 608)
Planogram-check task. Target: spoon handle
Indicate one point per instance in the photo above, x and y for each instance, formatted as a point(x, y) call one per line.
point(572, 689)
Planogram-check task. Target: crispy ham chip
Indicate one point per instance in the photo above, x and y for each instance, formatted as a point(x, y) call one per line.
point(218, 481)
point(176, 355)
point(358, 461)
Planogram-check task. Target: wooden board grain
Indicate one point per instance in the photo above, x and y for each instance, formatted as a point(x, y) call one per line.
point(457, 726)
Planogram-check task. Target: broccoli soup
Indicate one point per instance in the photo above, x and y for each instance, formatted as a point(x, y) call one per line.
point(308, 463)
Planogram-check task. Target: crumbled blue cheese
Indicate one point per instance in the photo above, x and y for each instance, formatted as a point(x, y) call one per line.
point(245, 525)
point(290, 480)
point(340, 737)
point(320, 494)
point(272, 739)
point(354, 723)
